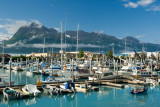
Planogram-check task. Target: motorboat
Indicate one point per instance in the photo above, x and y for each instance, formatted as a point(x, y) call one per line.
point(55, 67)
point(102, 75)
point(125, 70)
point(31, 90)
point(11, 94)
point(137, 90)
point(143, 72)
point(68, 86)
point(51, 79)
point(50, 89)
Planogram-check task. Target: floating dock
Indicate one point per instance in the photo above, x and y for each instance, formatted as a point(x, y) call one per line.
point(113, 83)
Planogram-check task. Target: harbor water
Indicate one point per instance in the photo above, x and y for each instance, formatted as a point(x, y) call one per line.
point(106, 96)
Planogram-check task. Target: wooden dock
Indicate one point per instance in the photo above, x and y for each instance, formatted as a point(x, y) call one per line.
point(113, 84)
point(24, 95)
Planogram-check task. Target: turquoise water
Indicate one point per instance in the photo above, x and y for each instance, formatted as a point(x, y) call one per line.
point(22, 77)
point(105, 97)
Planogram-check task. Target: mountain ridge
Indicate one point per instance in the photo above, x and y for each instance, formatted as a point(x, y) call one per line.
point(31, 38)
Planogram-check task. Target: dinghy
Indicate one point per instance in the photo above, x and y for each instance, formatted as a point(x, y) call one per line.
point(51, 90)
point(31, 89)
point(11, 94)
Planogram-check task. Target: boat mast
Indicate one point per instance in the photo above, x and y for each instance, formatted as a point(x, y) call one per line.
point(10, 73)
point(113, 51)
point(65, 38)
point(125, 45)
point(61, 45)
point(65, 31)
point(3, 55)
point(125, 49)
point(43, 46)
point(77, 46)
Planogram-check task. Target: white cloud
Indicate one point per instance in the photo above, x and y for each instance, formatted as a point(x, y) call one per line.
point(20, 44)
point(58, 29)
point(139, 36)
point(4, 36)
point(38, 24)
point(10, 26)
point(142, 3)
point(145, 2)
point(100, 32)
point(154, 8)
point(131, 4)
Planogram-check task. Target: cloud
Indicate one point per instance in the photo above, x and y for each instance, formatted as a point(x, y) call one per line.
point(131, 4)
point(154, 8)
point(139, 3)
point(4, 36)
point(58, 29)
point(139, 36)
point(38, 24)
point(20, 44)
point(9, 27)
point(100, 32)
point(145, 2)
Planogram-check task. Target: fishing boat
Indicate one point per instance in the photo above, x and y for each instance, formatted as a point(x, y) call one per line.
point(137, 90)
point(11, 94)
point(31, 90)
point(143, 72)
point(125, 70)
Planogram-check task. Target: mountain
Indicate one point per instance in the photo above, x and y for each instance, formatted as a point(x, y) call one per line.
point(31, 39)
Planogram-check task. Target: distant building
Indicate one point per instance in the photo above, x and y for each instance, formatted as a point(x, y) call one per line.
point(37, 55)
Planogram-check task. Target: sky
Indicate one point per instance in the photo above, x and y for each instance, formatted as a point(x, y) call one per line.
point(119, 18)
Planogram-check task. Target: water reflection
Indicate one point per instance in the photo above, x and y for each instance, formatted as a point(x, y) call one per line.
point(30, 101)
point(10, 103)
point(106, 95)
point(141, 98)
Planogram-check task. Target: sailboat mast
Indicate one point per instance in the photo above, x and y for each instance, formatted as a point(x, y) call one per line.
point(77, 45)
point(3, 54)
point(125, 50)
point(43, 46)
point(65, 31)
point(125, 45)
point(61, 45)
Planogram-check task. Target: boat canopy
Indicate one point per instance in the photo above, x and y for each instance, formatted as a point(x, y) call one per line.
point(68, 85)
